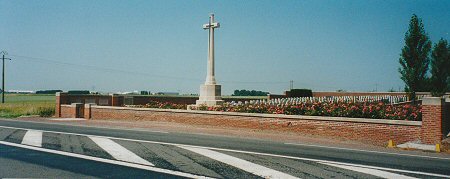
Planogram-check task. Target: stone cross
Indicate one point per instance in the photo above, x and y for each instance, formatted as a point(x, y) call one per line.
point(210, 92)
point(210, 77)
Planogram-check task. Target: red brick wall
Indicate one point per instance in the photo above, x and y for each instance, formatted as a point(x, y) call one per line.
point(430, 134)
point(85, 98)
point(68, 111)
point(322, 94)
point(118, 100)
point(142, 100)
point(435, 120)
point(366, 132)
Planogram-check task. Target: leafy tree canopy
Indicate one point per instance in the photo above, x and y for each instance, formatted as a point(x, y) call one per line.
point(414, 59)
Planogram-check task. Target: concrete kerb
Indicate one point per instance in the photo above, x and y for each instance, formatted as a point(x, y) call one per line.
point(280, 116)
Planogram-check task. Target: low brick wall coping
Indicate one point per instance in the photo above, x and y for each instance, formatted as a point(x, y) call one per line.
point(283, 116)
point(433, 101)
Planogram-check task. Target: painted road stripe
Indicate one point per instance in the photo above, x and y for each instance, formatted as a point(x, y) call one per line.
point(98, 127)
point(375, 172)
point(267, 154)
point(115, 162)
point(33, 138)
point(239, 163)
point(119, 152)
point(360, 150)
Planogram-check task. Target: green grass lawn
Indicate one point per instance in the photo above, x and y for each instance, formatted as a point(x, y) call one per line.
point(27, 104)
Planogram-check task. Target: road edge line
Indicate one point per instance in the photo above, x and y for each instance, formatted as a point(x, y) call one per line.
point(115, 162)
point(368, 151)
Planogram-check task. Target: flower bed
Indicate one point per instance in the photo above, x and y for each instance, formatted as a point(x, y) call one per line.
point(378, 110)
point(160, 105)
point(373, 110)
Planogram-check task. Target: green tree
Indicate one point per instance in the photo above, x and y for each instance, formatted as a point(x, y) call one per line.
point(440, 68)
point(249, 93)
point(414, 59)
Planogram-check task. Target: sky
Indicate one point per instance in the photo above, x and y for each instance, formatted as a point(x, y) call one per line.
point(113, 46)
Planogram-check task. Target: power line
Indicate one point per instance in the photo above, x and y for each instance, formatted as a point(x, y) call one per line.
point(137, 73)
point(102, 68)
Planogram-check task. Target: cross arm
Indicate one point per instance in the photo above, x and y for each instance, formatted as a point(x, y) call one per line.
point(213, 25)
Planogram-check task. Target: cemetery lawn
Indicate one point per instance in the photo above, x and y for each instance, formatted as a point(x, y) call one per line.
point(17, 105)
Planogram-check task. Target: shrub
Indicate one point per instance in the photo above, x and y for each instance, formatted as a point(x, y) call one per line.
point(249, 93)
point(164, 105)
point(300, 93)
point(46, 111)
point(48, 91)
point(78, 92)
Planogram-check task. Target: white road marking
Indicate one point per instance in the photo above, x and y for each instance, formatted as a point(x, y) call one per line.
point(119, 152)
point(375, 172)
point(324, 161)
point(368, 151)
point(98, 127)
point(138, 166)
point(33, 137)
point(239, 163)
point(263, 154)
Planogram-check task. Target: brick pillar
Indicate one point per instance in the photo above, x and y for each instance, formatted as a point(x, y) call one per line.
point(115, 100)
point(61, 98)
point(87, 111)
point(432, 118)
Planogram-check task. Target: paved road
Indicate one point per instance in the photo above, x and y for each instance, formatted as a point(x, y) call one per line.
point(50, 150)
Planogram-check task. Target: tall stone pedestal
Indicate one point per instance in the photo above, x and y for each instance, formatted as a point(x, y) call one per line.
point(210, 95)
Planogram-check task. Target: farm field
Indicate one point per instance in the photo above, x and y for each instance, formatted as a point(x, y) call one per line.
point(17, 105)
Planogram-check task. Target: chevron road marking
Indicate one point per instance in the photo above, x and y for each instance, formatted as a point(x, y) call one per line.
point(119, 152)
point(239, 163)
point(116, 162)
point(375, 172)
point(33, 138)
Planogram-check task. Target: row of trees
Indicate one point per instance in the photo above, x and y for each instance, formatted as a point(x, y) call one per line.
point(249, 93)
point(415, 62)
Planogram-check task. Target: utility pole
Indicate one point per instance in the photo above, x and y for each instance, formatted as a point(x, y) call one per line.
point(3, 74)
point(291, 84)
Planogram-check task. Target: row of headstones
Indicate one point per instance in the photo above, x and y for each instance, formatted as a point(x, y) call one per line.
point(299, 100)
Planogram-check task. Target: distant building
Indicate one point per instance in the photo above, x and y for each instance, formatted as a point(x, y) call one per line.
point(19, 91)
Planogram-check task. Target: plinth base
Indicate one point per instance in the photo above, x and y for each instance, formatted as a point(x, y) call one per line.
point(210, 95)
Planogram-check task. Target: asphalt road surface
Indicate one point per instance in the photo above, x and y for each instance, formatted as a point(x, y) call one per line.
point(42, 150)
